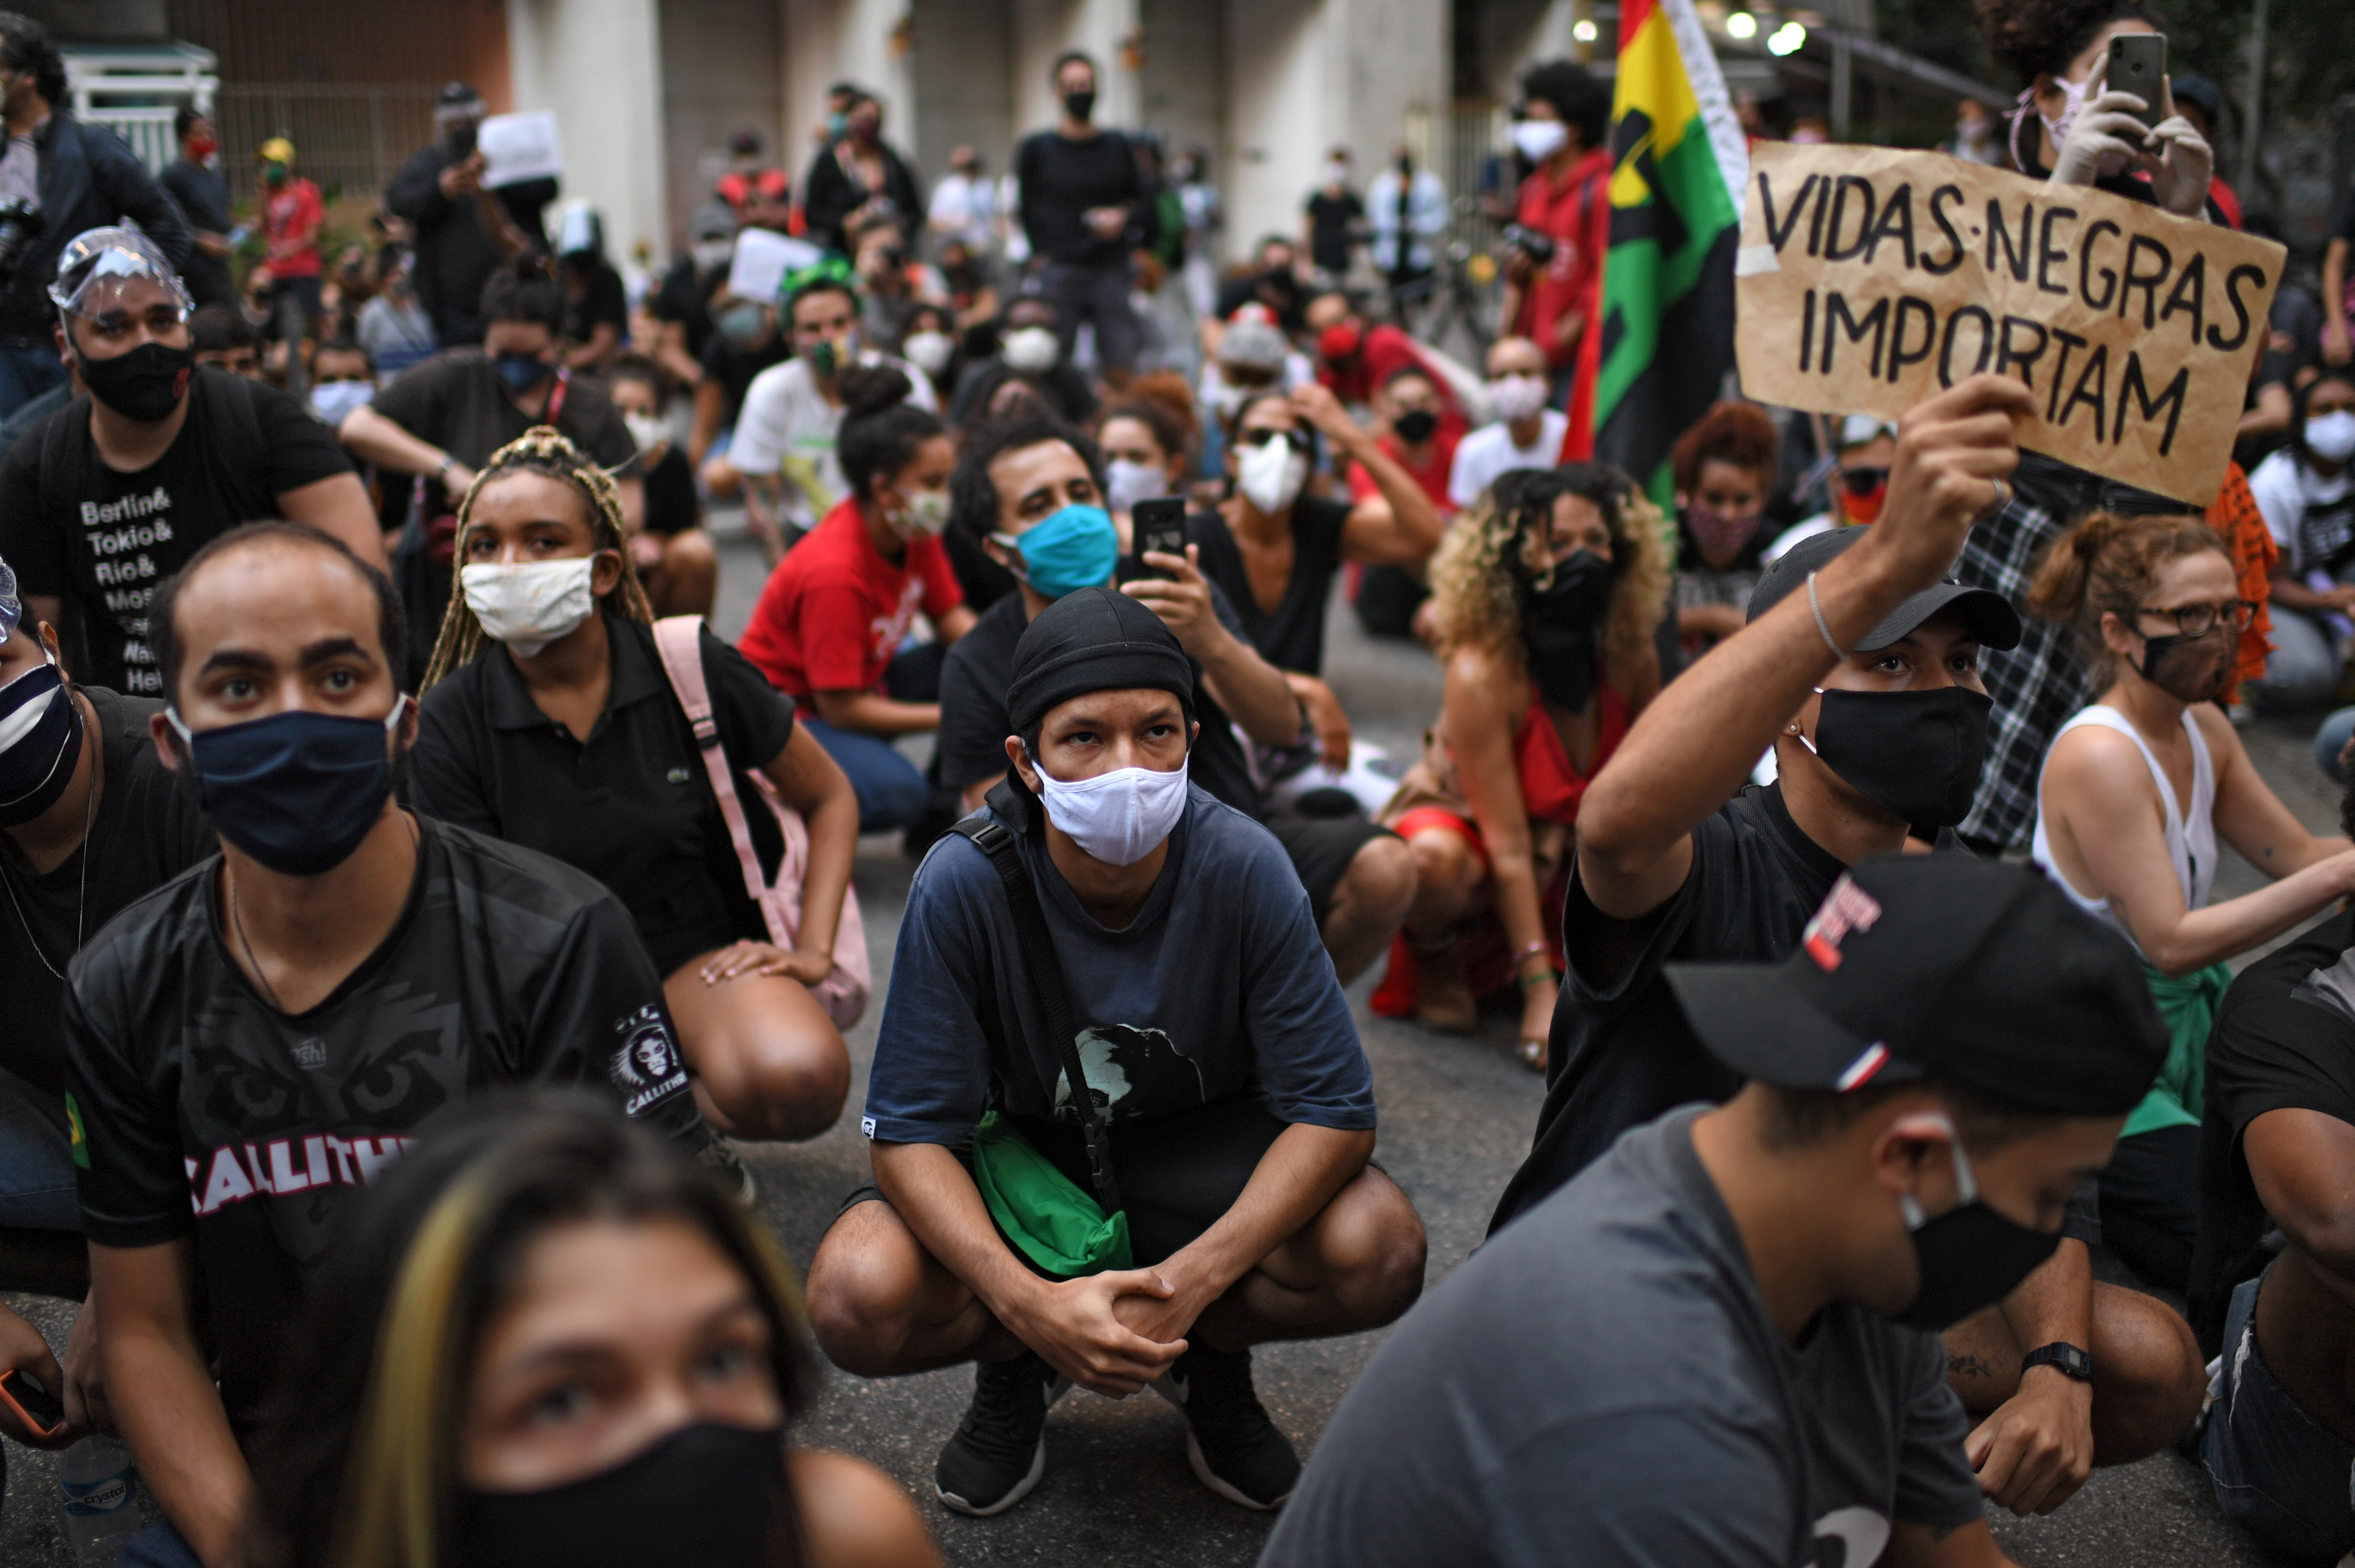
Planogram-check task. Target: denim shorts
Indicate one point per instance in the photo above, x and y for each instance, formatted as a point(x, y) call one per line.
point(2278, 1473)
point(37, 1169)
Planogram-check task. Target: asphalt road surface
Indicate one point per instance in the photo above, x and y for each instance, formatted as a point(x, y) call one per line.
point(1456, 1116)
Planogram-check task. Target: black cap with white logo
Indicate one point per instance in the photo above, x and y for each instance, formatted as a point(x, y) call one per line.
point(1988, 614)
point(1979, 973)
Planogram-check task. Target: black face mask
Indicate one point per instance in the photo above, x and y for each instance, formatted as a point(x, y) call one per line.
point(1969, 1257)
point(1558, 625)
point(36, 765)
point(1915, 753)
point(1080, 105)
point(1415, 425)
point(2191, 669)
point(707, 1496)
point(145, 384)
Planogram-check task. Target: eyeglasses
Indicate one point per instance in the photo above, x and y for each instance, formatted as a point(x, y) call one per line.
point(1260, 435)
point(2198, 620)
point(1863, 481)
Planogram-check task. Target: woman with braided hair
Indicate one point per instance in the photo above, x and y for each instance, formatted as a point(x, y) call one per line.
point(570, 739)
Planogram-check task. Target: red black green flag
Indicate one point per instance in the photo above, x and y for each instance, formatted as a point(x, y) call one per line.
point(1680, 164)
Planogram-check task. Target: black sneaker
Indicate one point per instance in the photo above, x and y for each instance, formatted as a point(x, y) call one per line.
point(999, 1451)
point(1234, 1448)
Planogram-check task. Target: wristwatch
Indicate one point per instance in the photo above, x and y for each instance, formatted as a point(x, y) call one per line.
point(2065, 1358)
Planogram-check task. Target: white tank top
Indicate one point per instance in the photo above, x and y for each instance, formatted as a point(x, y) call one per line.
point(2191, 840)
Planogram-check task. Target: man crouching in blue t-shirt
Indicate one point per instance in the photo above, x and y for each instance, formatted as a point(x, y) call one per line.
point(1215, 1042)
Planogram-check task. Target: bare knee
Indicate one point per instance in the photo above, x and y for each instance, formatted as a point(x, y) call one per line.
point(2147, 1375)
point(771, 1081)
point(1375, 1249)
point(862, 1290)
point(1381, 882)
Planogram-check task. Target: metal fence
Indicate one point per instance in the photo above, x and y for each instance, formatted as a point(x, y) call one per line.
point(350, 138)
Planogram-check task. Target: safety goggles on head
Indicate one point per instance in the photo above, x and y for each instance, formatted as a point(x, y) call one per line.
point(95, 264)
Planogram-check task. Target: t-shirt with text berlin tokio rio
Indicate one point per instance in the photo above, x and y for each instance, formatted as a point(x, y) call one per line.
point(201, 1111)
point(103, 541)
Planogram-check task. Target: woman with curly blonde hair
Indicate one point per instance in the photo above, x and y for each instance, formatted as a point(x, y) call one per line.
point(547, 719)
point(1546, 592)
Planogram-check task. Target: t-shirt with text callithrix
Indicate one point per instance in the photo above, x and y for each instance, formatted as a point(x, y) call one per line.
point(1218, 987)
point(1602, 1385)
point(116, 537)
point(199, 1111)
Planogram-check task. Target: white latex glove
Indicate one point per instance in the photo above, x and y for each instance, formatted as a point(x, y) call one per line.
point(2105, 138)
point(2180, 172)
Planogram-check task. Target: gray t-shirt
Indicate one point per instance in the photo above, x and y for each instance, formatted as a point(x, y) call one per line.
point(1602, 1384)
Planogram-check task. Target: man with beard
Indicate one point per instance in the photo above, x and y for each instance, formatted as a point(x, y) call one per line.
point(1859, 665)
point(463, 230)
point(248, 1046)
point(110, 495)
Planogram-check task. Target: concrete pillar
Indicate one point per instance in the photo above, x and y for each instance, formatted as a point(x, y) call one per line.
point(597, 65)
point(719, 76)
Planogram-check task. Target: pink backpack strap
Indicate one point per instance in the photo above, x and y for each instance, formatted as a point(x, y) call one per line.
point(679, 639)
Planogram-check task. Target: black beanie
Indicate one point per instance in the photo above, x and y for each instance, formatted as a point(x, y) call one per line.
point(1097, 639)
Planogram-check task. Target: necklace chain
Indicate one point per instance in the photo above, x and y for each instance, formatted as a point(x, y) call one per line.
point(236, 920)
point(81, 898)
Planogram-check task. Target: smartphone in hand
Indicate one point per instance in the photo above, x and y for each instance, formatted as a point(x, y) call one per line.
point(2138, 65)
point(1159, 526)
point(42, 1413)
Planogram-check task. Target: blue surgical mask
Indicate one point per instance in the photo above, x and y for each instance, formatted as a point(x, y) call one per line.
point(331, 400)
point(1076, 548)
point(297, 791)
point(521, 372)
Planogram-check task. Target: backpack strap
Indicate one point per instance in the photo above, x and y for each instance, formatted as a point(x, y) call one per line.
point(679, 639)
point(998, 841)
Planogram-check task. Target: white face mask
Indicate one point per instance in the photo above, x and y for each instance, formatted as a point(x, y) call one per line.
point(1518, 397)
point(1271, 474)
point(1116, 817)
point(331, 400)
point(649, 430)
point(1538, 140)
point(712, 255)
point(928, 351)
point(1126, 484)
point(1336, 173)
point(1031, 349)
point(924, 515)
point(2332, 437)
point(530, 605)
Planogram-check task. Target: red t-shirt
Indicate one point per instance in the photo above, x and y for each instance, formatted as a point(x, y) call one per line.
point(292, 208)
point(835, 611)
point(1386, 350)
point(1433, 478)
point(1576, 215)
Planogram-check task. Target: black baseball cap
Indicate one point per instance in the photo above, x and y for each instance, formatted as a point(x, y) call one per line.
point(1978, 973)
point(1096, 639)
point(1989, 614)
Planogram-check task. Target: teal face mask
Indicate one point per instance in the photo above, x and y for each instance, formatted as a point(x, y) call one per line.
point(1076, 548)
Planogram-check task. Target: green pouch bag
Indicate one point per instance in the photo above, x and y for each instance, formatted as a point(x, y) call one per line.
point(1042, 1211)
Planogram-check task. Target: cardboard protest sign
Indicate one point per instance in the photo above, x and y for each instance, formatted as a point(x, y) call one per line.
point(1869, 279)
point(519, 147)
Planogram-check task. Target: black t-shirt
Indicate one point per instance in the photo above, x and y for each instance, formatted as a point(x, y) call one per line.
point(201, 1111)
point(456, 402)
point(1062, 180)
point(146, 829)
point(604, 302)
point(2285, 1039)
point(1329, 218)
point(733, 369)
point(1622, 1052)
point(105, 539)
point(971, 745)
point(685, 296)
point(1292, 635)
point(202, 197)
point(672, 507)
point(633, 806)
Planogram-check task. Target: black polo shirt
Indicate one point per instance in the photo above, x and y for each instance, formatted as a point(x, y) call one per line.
point(632, 806)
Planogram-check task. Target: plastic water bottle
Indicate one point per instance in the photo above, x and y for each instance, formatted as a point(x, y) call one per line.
point(99, 1498)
